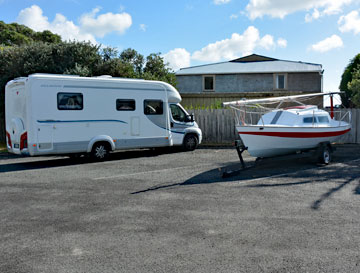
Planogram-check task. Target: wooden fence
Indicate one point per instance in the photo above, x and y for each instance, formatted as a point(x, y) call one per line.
point(218, 126)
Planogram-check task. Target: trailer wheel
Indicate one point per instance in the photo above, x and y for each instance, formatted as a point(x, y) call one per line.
point(190, 142)
point(325, 155)
point(100, 151)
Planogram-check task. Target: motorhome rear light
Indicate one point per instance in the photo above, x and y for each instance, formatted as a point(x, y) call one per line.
point(23, 141)
point(8, 139)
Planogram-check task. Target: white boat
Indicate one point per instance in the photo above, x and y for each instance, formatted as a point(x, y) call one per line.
point(287, 130)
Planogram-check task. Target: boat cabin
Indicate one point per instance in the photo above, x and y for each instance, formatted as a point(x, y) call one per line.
point(298, 116)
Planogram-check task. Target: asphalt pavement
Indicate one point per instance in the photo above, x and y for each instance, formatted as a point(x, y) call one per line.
point(171, 211)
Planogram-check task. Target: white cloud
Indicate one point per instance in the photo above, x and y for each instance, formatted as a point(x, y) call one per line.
point(143, 27)
point(281, 8)
point(328, 44)
point(281, 42)
point(238, 44)
point(234, 16)
point(314, 16)
point(105, 23)
point(89, 28)
point(350, 22)
point(177, 58)
point(267, 42)
point(221, 2)
point(33, 18)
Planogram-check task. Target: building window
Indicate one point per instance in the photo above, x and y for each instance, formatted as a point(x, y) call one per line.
point(70, 101)
point(125, 105)
point(280, 81)
point(209, 83)
point(153, 107)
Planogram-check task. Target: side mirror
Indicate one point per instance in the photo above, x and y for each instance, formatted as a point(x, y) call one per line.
point(190, 118)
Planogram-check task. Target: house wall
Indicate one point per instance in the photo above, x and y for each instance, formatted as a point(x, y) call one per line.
point(236, 83)
point(189, 84)
point(308, 82)
point(244, 83)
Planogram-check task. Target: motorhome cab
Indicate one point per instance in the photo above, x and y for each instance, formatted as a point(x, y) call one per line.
point(58, 114)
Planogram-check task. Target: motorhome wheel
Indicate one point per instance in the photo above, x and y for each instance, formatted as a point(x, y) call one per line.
point(190, 142)
point(100, 151)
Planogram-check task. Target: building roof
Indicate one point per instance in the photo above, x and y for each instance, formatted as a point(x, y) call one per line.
point(251, 64)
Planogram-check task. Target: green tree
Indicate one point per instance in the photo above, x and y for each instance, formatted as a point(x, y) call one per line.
point(16, 34)
point(354, 87)
point(132, 57)
point(347, 77)
point(157, 69)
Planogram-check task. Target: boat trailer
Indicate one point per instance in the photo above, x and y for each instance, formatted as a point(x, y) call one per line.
point(322, 153)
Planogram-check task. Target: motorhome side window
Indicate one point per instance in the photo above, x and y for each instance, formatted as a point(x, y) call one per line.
point(153, 107)
point(125, 105)
point(70, 101)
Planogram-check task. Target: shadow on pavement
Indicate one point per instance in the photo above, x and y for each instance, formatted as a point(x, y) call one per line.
point(296, 170)
point(54, 162)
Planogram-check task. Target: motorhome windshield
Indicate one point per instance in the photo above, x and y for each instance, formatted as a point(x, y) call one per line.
point(177, 113)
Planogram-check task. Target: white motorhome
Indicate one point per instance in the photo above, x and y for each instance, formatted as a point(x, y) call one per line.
point(58, 114)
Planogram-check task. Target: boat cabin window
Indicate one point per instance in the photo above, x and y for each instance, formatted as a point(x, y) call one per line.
point(125, 105)
point(153, 107)
point(309, 120)
point(177, 113)
point(323, 119)
point(70, 101)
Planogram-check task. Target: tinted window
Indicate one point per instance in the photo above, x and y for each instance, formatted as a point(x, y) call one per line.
point(177, 113)
point(125, 105)
point(209, 83)
point(281, 81)
point(153, 107)
point(70, 101)
point(309, 120)
point(323, 119)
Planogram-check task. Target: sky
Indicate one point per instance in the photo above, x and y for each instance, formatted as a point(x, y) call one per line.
point(195, 32)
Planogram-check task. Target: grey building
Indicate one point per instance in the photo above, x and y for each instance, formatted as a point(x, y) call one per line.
point(253, 73)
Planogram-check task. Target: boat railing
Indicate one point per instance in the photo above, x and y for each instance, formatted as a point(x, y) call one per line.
point(254, 116)
point(245, 116)
point(343, 115)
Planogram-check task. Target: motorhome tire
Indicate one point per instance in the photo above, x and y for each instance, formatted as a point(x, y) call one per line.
point(100, 151)
point(325, 155)
point(190, 142)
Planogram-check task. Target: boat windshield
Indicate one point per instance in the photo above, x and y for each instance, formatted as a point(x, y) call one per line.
point(323, 119)
point(318, 119)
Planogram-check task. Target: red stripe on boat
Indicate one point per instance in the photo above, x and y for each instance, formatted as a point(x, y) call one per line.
point(297, 134)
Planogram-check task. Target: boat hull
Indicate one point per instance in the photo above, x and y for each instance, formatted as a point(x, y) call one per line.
point(268, 141)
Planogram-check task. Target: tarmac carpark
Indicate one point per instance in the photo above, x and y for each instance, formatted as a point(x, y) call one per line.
point(160, 211)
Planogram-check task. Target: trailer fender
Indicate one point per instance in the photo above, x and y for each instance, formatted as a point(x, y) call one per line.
point(101, 139)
